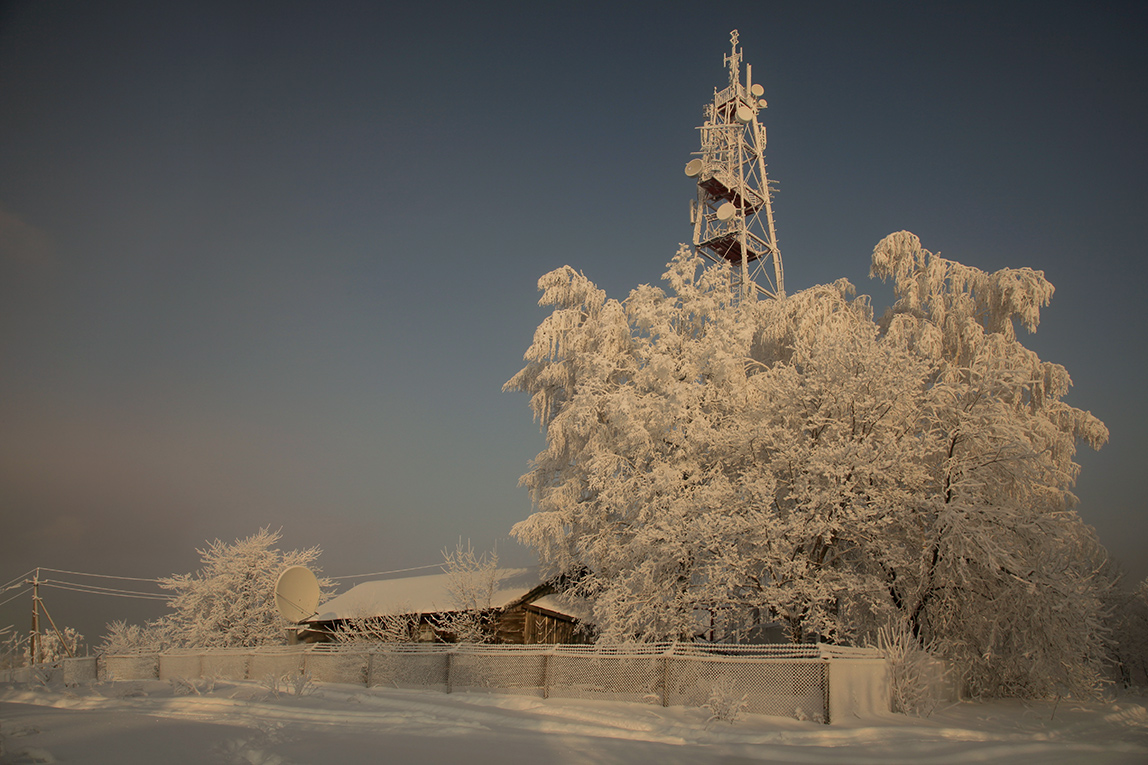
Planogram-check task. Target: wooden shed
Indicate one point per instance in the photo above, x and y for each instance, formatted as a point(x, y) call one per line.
point(523, 609)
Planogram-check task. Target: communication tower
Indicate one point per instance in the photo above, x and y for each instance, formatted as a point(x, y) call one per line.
point(733, 213)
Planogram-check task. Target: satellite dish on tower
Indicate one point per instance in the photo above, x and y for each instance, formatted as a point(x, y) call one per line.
point(296, 593)
point(726, 211)
point(694, 168)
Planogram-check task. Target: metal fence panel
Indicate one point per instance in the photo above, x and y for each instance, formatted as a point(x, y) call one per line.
point(184, 665)
point(276, 663)
point(79, 670)
point(782, 687)
point(617, 678)
point(401, 669)
point(341, 667)
point(505, 671)
point(131, 667)
point(226, 665)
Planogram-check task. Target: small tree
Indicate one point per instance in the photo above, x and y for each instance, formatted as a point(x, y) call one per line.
point(471, 581)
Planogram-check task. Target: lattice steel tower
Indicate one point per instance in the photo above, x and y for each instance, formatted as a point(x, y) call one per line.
point(733, 214)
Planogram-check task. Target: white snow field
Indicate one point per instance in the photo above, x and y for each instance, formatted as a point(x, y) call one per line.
point(153, 721)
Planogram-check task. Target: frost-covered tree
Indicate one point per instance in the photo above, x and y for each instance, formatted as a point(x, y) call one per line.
point(471, 580)
point(1007, 576)
point(714, 461)
point(123, 637)
point(229, 602)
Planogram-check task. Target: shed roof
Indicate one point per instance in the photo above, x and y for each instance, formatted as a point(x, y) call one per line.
point(426, 594)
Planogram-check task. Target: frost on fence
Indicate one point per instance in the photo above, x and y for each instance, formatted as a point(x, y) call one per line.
point(277, 662)
point(337, 667)
point(409, 669)
point(226, 665)
point(131, 667)
point(513, 672)
point(778, 680)
point(183, 664)
point(610, 675)
point(781, 687)
point(789, 680)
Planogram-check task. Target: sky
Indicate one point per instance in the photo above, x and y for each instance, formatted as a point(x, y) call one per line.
point(269, 264)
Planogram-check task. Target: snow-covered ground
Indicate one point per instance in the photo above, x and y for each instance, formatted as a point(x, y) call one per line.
point(244, 722)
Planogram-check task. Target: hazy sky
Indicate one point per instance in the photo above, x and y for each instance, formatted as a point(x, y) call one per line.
point(271, 264)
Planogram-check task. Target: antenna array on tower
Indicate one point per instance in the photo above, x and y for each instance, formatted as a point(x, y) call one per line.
point(733, 212)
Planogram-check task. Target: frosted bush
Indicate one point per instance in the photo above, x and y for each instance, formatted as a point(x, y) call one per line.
point(724, 702)
point(913, 673)
point(298, 684)
point(51, 648)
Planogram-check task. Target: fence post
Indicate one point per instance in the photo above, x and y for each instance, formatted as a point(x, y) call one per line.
point(546, 673)
point(825, 674)
point(666, 656)
point(449, 667)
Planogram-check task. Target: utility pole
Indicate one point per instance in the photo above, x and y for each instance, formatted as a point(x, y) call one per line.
point(37, 606)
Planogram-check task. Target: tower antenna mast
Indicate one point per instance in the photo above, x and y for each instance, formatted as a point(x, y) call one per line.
point(733, 213)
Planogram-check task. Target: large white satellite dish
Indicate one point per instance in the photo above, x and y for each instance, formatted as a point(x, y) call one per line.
point(726, 211)
point(694, 168)
point(296, 593)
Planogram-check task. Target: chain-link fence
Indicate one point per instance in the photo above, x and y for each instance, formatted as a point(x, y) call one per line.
point(785, 680)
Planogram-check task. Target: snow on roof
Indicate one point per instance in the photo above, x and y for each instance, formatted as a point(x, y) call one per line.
point(567, 605)
point(423, 595)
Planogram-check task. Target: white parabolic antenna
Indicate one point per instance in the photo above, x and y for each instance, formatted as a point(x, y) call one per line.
point(297, 593)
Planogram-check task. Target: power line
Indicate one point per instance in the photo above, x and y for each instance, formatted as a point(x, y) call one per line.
point(100, 589)
point(380, 573)
point(101, 576)
point(16, 582)
point(20, 583)
point(21, 594)
point(88, 590)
